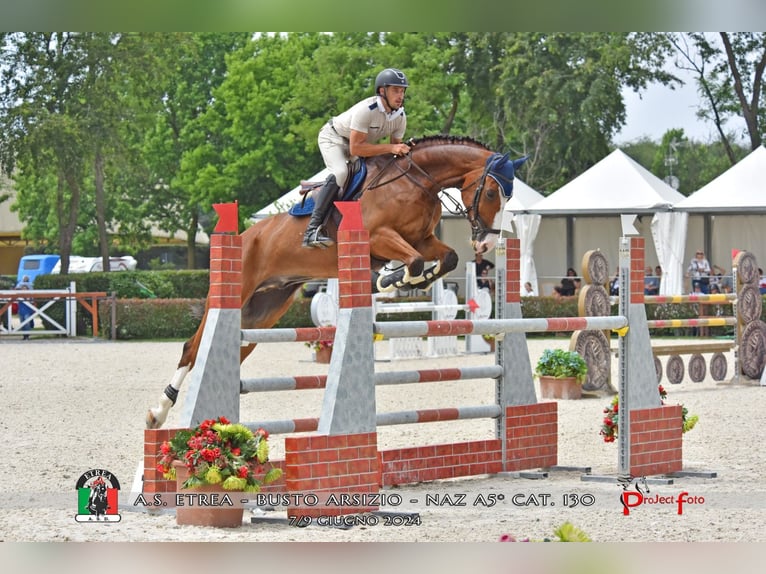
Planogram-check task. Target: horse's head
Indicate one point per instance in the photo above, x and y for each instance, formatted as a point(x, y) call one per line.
point(484, 192)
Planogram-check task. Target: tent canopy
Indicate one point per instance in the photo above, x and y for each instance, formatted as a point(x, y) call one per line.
point(740, 189)
point(615, 185)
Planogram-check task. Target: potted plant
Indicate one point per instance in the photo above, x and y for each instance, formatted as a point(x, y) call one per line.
point(322, 350)
point(561, 374)
point(217, 456)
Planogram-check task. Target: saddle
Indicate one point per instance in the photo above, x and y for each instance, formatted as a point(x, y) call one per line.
point(352, 192)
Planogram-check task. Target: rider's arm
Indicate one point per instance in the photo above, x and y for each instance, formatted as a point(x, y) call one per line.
point(359, 146)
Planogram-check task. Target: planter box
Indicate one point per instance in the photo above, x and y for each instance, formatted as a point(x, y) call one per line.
point(565, 388)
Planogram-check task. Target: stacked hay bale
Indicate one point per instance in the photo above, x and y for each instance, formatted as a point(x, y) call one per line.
point(751, 331)
point(594, 301)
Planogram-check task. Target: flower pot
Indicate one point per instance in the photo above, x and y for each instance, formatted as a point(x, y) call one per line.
point(563, 388)
point(323, 355)
point(194, 514)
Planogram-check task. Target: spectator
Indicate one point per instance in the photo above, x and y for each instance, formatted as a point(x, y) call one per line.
point(567, 287)
point(528, 291)
point(651, 283)
point(483, 276)
point(614, 284)
point(699, 272)
point(761, 282)
point(26, 311)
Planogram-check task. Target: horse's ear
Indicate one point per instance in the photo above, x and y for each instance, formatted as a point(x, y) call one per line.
point(517, 163)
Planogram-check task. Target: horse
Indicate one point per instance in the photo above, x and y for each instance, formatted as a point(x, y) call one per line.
point(401, 207)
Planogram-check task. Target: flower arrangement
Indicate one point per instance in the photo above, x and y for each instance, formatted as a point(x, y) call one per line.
point(559, 363)
point(610, 423)
point(319, 345)
point(220, 452)
point(567, 532)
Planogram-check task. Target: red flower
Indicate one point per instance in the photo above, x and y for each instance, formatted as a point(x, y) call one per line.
point(608, 422)
point(263, 432)
point(242, 472)
point(208, 454)
point(236, 451)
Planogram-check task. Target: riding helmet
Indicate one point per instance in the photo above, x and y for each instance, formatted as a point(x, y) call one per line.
point(390, 77)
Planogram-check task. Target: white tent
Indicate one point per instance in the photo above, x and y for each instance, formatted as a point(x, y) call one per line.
point(733, 209)
point(289, 199)
point(585, 214)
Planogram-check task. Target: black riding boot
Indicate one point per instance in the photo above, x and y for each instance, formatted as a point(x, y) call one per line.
point(323, 199)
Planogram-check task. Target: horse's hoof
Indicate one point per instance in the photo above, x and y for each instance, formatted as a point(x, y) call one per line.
point(384, 288)
point(152, 423)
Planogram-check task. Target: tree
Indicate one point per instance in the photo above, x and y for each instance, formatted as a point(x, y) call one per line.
point(557, 97)
point(184, 145)
point(730, 71)
point(64, 102)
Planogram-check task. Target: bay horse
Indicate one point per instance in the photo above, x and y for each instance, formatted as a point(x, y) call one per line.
point(400, 206)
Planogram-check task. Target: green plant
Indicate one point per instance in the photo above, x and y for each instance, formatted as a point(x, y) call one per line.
point(560, 364)
point(219, 452)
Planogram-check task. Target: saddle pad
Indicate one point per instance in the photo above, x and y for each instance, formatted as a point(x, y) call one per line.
point(307, 206)
point(302, 208)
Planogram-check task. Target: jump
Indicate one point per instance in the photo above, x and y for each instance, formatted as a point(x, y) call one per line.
point(401, 206)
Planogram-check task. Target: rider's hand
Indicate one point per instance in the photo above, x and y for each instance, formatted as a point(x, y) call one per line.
point(401, 149)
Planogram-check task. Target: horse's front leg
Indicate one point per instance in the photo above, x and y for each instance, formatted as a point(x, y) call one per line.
point(434, 250)
point(386, 244)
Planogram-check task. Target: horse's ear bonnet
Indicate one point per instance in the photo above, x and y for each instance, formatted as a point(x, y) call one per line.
point(502, 170)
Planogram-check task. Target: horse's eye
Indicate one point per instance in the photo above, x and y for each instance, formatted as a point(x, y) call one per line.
point(491, 194)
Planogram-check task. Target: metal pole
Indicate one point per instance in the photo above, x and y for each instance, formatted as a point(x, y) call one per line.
point(623, 410)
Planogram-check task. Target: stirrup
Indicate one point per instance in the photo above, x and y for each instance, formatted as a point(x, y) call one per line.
point(312, 238)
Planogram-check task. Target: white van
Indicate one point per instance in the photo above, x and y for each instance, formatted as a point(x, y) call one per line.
point(79, 264)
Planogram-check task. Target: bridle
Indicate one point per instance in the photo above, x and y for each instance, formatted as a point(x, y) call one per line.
point(479, 228)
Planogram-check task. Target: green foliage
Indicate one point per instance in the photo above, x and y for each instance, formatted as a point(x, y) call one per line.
point(559, 363)
point(567, 532)
point(152, 318)
point(134, 284)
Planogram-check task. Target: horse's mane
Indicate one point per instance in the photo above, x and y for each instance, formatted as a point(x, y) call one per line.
point(442, 139)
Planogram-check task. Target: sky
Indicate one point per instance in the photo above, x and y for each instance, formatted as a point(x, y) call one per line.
point(660, 108)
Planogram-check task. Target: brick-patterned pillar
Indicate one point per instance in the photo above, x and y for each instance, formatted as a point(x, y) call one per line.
point(154, 482)
point(225, 271)
point(531, 436)
point(331, 475)
point(656, 440)
point(637, 269)
point(214, 386)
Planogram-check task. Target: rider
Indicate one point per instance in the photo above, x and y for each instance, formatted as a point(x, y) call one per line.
point(354, 133)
